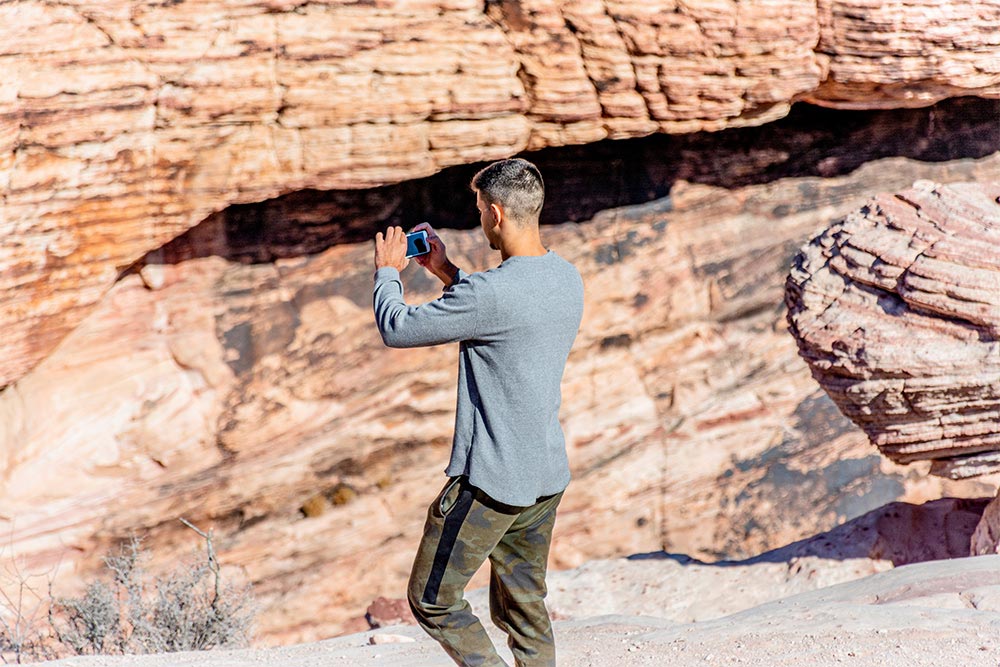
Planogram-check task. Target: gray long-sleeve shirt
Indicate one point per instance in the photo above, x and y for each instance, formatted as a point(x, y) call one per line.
point(516, 324)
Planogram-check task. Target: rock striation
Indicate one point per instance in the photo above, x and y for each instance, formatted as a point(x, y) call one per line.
point(123, 125)
point(896, 309)
point(166, 353)
point(240, 383)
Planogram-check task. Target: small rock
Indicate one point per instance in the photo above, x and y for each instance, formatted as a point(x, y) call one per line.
point(383, 612)
point(375, 640)
point(342, 494)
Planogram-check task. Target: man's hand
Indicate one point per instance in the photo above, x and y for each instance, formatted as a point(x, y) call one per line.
point(391, 251)
point(436, 261)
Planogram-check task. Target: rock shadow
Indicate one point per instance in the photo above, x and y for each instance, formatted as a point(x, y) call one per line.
point(899, 532)
point(583, 180)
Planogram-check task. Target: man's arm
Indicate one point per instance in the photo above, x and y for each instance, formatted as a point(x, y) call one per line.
point(450, 318)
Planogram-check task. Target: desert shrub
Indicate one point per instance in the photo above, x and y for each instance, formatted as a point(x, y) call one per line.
point(23, 634)
point(188, 609)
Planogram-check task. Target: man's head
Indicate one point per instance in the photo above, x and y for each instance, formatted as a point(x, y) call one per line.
point(509, 195)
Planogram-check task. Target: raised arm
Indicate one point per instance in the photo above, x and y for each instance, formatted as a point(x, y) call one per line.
point(452, 317)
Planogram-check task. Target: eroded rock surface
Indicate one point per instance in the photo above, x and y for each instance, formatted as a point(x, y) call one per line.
point(124, 124)
point(241, 383)
point(896, 308)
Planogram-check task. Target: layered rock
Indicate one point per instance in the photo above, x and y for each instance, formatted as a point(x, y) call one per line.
point(877, 50)
point(896, 308)
point(235, 378)
point(986, 538)
point(123, 125)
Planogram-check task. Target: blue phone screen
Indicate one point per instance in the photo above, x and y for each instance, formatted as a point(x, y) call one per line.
point(416, 244)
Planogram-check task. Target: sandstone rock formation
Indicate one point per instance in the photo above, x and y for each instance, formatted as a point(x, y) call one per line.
point(122, 125)
point(986, 538)
point(240, 383)
point(896, 308)
point(167, 354)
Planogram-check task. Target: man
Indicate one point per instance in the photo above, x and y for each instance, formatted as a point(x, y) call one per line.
point(516, 324)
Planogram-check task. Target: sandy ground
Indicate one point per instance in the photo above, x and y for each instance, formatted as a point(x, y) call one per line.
point(929, 614)
point(674, 589)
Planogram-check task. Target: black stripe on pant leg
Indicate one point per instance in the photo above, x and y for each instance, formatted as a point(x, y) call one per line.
point(449, 535)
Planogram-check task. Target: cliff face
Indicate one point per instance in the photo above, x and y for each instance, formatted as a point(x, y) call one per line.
point(177, 344)
point(234, 376)
point(123, 125)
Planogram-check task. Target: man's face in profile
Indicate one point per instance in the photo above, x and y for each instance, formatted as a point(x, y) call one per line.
point(486, 220)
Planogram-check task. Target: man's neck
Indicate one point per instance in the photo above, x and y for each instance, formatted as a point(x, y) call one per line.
point(531, 247)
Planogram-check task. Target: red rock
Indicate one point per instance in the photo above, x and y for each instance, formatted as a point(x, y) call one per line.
point(896, 308)
point(121, 127)
point(383, 612)
point(229, 385)
point(232, 384)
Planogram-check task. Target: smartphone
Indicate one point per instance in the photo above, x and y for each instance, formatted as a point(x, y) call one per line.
point(417, 244)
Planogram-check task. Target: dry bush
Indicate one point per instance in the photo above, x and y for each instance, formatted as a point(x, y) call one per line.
point(23, 605)
point(189, 609)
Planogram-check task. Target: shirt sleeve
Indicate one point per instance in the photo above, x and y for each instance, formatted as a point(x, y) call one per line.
point(452, 317)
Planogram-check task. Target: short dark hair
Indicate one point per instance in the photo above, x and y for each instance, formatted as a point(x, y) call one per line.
point(515, 185)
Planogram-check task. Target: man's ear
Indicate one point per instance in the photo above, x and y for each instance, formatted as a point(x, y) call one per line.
point(497, 213)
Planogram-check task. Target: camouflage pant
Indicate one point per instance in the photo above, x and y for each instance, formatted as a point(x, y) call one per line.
point(465, 527)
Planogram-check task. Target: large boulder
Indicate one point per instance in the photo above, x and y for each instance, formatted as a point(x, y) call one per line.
point(896, 309)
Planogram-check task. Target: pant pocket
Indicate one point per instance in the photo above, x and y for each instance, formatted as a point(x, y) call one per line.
point(449, 495)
